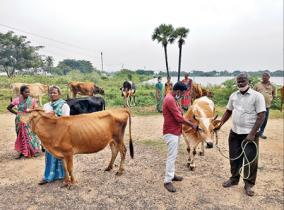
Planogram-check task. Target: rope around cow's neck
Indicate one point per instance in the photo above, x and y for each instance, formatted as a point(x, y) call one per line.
point(243, 146)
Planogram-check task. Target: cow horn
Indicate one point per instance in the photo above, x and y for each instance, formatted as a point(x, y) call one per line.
point(215, 117)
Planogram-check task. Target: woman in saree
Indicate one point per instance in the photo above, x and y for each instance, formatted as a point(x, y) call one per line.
point(186, 100)
point(54, 168)
point(27, 143)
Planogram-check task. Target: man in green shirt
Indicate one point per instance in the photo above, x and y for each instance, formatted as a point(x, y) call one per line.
point(159, 94)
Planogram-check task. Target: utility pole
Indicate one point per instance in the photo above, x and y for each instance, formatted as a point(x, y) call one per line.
point(102, 61)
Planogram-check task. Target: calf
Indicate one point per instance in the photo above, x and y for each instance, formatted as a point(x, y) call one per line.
point(128, 92)
point(86, 105)
point(201, 113)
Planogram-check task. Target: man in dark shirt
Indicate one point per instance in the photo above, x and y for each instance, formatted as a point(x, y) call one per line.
point(172, 130)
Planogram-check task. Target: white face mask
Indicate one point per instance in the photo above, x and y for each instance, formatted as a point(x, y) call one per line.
point(177, 97)
point(242, 89)
point(159, 81)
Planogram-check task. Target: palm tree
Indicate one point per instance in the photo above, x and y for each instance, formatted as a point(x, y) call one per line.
point(164, 34)
point(49, 63)
point(180, 34)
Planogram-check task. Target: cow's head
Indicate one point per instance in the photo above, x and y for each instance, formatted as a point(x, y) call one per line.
point(98, 90)
point(206, 129)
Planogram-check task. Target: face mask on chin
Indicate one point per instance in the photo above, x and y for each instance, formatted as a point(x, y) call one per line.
point(177, 97)
point(242, 89)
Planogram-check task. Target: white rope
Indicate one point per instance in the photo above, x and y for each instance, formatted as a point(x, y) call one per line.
point(242, 153)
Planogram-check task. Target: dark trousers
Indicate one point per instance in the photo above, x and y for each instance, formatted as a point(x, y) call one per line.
point(263, 125)
point(235, 149)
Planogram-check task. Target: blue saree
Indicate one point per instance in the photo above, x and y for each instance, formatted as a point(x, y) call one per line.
point(54, 168)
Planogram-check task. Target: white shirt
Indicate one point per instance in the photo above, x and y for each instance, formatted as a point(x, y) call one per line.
point(245, 108)
point(65, 108)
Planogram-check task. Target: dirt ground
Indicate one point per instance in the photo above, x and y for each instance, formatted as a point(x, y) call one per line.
point(141, 187)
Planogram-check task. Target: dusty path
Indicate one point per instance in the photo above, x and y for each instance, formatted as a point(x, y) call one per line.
point(141, 187)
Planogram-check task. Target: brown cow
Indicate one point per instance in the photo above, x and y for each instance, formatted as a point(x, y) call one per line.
point(202, 113)
point(84, 88)
point(82, 134)
point(37, 90)
point(198, 91)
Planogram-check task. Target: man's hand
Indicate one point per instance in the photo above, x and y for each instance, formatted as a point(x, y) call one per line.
point(218, 126)
point(195, 127)
point(250, 137)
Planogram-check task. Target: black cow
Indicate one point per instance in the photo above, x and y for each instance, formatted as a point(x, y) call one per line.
point(86, 105)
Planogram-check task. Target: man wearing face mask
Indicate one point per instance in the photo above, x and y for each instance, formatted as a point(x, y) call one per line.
point(172, 129)
point(247, 108)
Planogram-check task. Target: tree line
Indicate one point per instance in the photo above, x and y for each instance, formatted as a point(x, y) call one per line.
point(17, 55)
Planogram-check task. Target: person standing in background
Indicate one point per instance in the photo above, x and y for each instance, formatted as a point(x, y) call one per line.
point(186, 100)
point(268, 90)
point(168, 86)
point(159, 94)
point(27, 143)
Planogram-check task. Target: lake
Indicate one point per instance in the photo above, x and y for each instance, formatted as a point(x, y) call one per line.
point(205, 81)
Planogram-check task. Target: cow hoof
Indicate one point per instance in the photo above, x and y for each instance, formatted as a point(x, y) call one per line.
point(66, 185)
point(188, 165)
point(192, 168)
point(209, 145)
point(119, 173)
point(201, 153)
point(108, 169)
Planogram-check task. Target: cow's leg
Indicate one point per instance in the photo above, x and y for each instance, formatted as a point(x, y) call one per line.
point(192, 153)
point(70, 167)
point(66, 181)
point(188, 148)
point(202, 149)
point(114, 151)
point(122, 150)
point(128, 101)
point(134, 100)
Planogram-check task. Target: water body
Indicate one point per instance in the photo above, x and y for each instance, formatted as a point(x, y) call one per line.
point(205, 81)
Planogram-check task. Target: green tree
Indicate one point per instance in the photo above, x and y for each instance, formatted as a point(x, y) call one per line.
point(180, 34)
point(164, 34)
point(17, 54)
point(68, 65)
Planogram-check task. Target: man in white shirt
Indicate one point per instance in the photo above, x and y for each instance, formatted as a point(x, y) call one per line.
point(247, 108)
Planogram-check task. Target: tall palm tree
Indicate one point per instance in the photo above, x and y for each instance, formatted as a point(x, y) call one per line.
point(164, 34)
point(180, 34)
point(49, 62)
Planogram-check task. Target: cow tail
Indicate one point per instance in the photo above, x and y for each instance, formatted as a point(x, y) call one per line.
point(130, 138)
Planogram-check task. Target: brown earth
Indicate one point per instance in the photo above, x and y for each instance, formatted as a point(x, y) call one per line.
point(141, 187)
